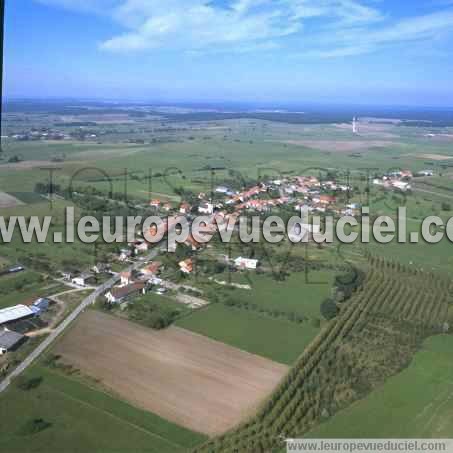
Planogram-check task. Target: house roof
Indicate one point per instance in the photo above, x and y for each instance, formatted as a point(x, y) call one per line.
point(8, 339)
point(152, 268)
point(186, 265)
point(121, 293)
point(14, 313)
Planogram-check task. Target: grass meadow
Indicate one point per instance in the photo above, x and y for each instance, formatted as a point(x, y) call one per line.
point(75, 414)
point(276, 339)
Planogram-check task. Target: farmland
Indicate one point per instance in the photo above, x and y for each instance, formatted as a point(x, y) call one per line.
point(75, 413)
point(227, 359)
point(391, 411)
point(250, 332)
point(297, 293)
point(374, 337)
point(175, 374)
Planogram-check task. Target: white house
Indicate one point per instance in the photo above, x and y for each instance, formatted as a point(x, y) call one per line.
point(81, 280)
point(245, 263)
point(401, 185)
point(425, 173)
point(222, 190)
point(206, 208)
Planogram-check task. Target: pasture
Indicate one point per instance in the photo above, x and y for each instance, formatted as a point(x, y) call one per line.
point(298, 293)
point(76, 414)
point(188, 379)
point(278, 340)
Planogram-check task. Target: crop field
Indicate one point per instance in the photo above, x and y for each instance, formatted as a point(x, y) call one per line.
point(393, 411)
point(73, 414)
point(174, 373)
point(244, 146)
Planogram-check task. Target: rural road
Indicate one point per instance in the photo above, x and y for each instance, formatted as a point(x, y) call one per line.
point(83, 305)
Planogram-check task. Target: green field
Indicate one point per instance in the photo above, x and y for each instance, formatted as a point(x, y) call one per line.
point(77, 415)
point(296, 294)
point(417, 403)
point(49, 256)
point(248, 147)
point(277, 340)
point(23, 287)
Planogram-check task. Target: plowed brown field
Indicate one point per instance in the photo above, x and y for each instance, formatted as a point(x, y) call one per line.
point(186, 378)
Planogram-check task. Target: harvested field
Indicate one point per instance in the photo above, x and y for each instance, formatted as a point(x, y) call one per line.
point(342, 146)
point(186, 378)
point(8, 201)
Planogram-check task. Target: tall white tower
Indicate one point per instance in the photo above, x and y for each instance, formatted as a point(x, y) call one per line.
point(354, 126)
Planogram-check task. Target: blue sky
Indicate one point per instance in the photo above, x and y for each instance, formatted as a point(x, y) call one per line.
point(268, 51)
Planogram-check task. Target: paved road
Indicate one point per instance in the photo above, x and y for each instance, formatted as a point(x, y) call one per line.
point(83, 305)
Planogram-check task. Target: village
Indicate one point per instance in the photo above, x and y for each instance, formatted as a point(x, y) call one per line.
point(172, 282)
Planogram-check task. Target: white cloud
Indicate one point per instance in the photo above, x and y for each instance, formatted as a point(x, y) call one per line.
point(316, 28)
point(358, 40)
point(195, 25)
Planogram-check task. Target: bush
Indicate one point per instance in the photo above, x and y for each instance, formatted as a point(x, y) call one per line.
point(329, 309)
point(28, 384)
point(34, 426)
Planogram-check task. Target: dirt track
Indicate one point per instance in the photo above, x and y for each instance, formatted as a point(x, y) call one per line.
point(189, 379)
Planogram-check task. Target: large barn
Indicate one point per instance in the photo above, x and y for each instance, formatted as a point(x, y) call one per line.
point(16, 313)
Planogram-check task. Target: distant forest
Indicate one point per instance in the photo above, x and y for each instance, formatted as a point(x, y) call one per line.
point(415, 117)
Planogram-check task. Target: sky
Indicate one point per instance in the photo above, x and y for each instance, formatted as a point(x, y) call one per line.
point(386, 52)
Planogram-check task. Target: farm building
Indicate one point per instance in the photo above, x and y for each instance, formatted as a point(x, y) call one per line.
point(82, 280)
point(16, 313)
point(40, 306)
point(245, 263)
point(9, 341)
point(119, 294)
